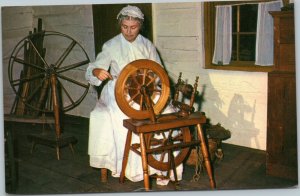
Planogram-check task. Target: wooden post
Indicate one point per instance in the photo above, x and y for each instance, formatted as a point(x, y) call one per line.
point(205, 154)
point(55, 105)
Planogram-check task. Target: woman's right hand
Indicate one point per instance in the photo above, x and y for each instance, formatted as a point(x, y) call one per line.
point(101, 74)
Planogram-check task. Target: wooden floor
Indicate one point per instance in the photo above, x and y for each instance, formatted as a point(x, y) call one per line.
point(41, 173)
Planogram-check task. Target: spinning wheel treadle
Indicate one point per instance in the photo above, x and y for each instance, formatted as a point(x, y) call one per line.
point(142, 91)
point(46, 80)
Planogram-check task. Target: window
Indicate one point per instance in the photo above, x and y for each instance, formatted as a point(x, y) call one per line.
point(244, 24)
point(244, 19)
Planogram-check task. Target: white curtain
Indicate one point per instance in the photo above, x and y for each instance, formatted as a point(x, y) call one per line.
point(265, 33)
point(223, 38)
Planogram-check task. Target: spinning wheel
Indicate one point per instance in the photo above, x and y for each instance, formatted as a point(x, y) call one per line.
point(139, 80)
point(46, 68)
point(143, 91)
point(45, 72)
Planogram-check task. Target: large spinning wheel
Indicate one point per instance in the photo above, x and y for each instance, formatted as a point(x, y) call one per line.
point(142, 92)
point(46, 68)
point(45, 71)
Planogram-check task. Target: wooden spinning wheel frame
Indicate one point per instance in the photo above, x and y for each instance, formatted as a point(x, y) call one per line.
point(44, 67)
point(142, 91)
point(46, 80)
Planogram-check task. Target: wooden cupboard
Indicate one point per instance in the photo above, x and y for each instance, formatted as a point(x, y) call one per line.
point(281, 158)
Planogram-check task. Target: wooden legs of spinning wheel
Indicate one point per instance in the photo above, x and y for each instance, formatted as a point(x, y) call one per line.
point(125, 156)
point(144, 159)
point(144, 162)
point(204, 150)
point(205, 153)
point(55, 105)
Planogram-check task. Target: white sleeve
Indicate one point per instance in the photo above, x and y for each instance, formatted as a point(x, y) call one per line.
point(102, 61)
point(154, 55)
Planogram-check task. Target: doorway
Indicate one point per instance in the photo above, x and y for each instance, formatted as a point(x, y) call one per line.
point(106, 26)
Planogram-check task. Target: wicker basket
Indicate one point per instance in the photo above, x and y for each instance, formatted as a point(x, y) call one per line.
point(212, 145)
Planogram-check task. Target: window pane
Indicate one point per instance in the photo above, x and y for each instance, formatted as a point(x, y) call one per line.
point(247, 47)
point(234, 19)
point(248, 18)
point(234, 48)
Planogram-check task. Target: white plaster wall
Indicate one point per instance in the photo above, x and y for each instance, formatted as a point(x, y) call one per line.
point(237, 100)
point(73, 20)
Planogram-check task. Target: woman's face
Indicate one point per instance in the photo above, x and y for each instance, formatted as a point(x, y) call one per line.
point(130, 29)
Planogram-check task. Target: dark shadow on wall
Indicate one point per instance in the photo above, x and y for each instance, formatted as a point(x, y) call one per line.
point(238, 108)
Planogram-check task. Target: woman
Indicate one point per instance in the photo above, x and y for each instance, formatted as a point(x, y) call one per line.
point(107, 135)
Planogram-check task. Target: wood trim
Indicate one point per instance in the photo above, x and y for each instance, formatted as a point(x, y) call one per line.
point(254, 68)
point(209, 34)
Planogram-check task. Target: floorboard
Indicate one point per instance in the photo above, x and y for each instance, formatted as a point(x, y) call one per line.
point(41, 173)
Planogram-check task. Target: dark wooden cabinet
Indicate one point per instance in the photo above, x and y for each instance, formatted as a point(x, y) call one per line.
point(284, 40)
point(282, 118)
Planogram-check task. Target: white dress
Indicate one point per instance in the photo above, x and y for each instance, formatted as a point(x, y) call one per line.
point(107, 135)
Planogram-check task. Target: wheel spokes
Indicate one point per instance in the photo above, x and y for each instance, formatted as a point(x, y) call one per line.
point(37, 52)
point(72, 66)
point(144, 76)
point(27, 63)
point(66, 92)
point(20, 81)
point(73, 81)
point(65, 54)
point(133, 97)
point(135, 80)
point(152, 80)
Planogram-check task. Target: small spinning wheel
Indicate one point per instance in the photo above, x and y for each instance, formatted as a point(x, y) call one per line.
point(142, 91)
point(138, 81)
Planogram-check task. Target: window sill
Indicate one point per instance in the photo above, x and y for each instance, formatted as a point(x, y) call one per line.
point(252, 68)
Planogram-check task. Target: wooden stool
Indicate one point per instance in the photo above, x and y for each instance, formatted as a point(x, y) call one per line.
point(9, 121)
point(43, 139)
point(144, 127)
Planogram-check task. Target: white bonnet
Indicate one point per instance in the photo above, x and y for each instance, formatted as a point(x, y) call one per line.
point(132, 11)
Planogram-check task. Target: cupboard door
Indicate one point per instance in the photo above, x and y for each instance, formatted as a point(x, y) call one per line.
point(282, 126)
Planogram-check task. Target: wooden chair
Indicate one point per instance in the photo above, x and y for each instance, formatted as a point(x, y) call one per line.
point(174, 129)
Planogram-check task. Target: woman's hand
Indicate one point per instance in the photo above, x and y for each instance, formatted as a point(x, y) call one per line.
point(102, 74)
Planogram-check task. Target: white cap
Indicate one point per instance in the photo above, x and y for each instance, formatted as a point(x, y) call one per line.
point(132, 11)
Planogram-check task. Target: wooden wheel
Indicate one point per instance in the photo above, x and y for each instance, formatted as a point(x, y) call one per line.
point(139, 75)
point(159, 141)
point(34, 76)
point(136, 77)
